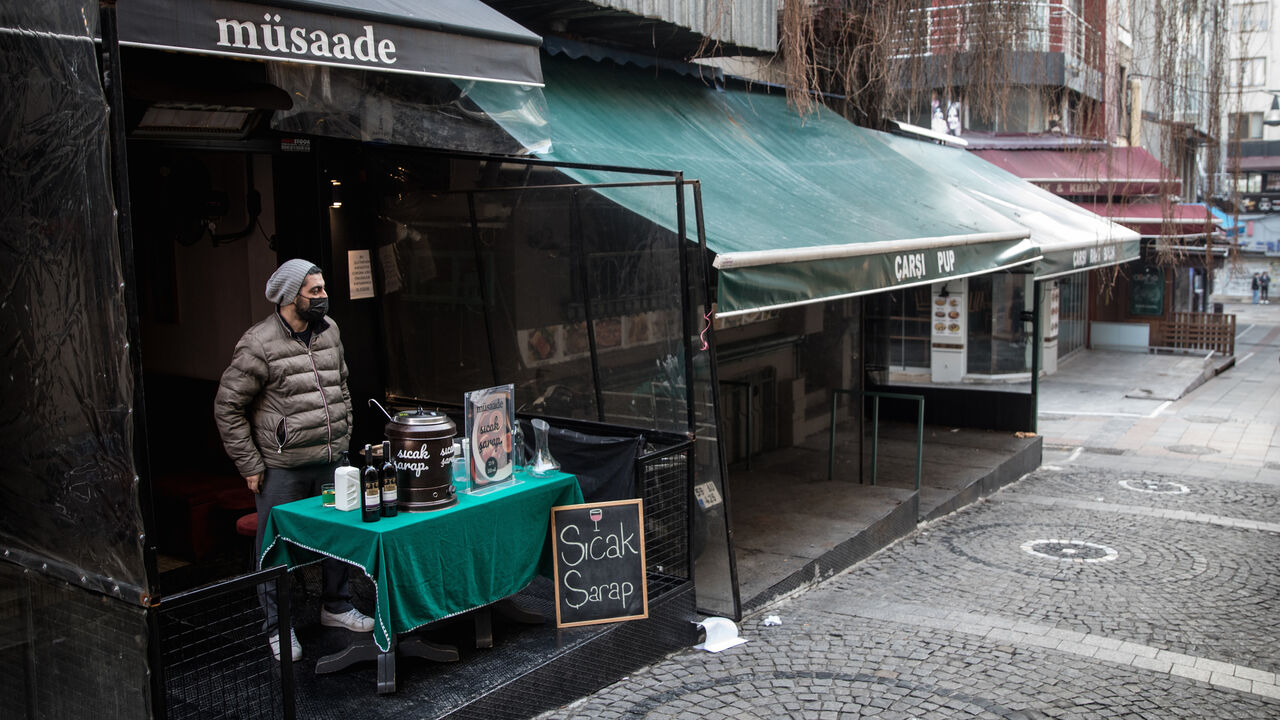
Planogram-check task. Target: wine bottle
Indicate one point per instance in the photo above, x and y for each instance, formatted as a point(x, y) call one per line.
point(390, 505)
point(372, 508)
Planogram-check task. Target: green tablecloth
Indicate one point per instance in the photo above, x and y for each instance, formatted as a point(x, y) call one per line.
point(429, 566)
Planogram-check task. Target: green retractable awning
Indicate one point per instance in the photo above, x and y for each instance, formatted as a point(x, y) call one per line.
point(797, 210)
point(1071, 238)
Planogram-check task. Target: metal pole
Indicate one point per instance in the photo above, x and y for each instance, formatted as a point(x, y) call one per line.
point(831, 437)
point(480, 280)
point(584, 284)
point(713, 375)
point(875, 435)
point(686, 321)
point(919, 442)
point(1035, 355)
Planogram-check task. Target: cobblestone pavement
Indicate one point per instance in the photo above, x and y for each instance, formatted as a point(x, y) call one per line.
point(1121, 580)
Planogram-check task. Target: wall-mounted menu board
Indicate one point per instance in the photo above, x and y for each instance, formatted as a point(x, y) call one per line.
point(599, 563)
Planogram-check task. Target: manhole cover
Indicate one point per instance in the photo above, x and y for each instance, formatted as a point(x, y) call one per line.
point(1070, 550)
point(1192, 449)
point(1155, 486)
point(1203, 419)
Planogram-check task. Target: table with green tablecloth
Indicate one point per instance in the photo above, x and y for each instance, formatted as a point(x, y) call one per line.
point(428, 566)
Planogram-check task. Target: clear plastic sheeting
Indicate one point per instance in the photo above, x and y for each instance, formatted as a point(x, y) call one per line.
point(409, 109)
point(556, 290)
point(69, 503)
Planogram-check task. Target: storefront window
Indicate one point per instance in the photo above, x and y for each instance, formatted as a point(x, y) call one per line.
point(1249, 183)
point(997, 334)
point(900, 320)
point(1072, 313)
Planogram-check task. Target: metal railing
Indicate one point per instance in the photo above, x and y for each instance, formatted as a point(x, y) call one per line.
point(214, 658)
point(1045, 26)
point(875, 430)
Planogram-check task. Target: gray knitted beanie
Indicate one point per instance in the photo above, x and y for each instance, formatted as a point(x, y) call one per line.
point(286, 281)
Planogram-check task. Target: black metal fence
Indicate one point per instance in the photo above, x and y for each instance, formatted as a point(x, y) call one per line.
point(664, 477)
point(214, 656)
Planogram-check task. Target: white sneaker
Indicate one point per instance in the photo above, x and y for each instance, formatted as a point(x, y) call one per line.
point(353, 620)
point(274, 642)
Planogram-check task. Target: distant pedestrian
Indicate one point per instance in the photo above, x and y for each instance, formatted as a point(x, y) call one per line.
point(1256, 287)
point(1264, 285)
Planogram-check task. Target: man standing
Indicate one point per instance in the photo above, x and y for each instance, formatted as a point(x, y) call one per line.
point(1255, 286)
point(1264, 286)
point(284, 414)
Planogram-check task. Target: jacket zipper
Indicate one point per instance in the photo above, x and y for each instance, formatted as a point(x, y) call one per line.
point(328, 421)
point(282, 435)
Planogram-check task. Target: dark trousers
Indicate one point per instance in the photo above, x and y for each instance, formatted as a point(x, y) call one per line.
point(284, 485)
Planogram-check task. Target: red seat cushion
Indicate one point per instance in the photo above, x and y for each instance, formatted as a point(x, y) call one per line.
point(247, 525)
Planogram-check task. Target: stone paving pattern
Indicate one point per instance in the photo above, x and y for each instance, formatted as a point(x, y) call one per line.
point(958, 620)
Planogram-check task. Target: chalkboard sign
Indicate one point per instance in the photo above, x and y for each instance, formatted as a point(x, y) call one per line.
point(599, 563)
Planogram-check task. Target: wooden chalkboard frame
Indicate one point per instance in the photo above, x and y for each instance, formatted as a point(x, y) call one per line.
point(561, 622)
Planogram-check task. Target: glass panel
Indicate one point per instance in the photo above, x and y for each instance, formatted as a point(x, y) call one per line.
point(980, 326)
point(997, 334)
point(1071, 313)
point(899, 319)
point(497, 287)
point(1009, 347)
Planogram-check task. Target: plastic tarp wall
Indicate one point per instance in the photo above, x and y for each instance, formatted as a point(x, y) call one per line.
point(69, 499)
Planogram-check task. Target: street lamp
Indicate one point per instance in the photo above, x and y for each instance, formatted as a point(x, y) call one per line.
point(1272, 116)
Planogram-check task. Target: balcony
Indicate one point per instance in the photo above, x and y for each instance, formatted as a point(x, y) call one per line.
point(1044, 43)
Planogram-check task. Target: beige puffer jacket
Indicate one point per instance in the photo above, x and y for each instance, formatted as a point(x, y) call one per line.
point(281, 404)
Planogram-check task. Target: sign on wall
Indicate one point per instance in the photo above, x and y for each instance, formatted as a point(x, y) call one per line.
point(1146, 291)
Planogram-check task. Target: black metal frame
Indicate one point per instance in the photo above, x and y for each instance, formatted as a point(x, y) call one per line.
point(678, 445)
point(176, 603)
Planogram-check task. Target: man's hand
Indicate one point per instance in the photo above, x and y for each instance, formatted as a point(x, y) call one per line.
point(255, 483)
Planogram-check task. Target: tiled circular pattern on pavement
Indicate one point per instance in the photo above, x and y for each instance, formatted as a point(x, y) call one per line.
point(1236, 499)
point(1069, 550)
point(1193, 588)
point(1161, 487)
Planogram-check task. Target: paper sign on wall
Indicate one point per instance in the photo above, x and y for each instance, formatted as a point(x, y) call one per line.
point(360, 274)
point(390, 269)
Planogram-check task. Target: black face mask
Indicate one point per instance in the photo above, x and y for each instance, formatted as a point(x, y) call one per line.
point(316, 309)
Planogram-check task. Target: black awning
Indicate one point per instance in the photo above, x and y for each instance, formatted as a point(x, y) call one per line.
point(463, 39)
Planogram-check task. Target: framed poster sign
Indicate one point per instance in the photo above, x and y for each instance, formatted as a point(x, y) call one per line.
point(1146, 291)
point(598, 551)
point(487, 414)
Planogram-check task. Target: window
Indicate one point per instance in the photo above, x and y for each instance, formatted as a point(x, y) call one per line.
point(1249, 183)
point(1245, 126)
point(1273, 182)
point(998, 342)
point(1249, 17)
point(1248, 72)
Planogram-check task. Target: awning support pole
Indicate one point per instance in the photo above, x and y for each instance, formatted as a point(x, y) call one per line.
point(480, 277)
point(584, 284)
point(1035, 355)
point(713, 387)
